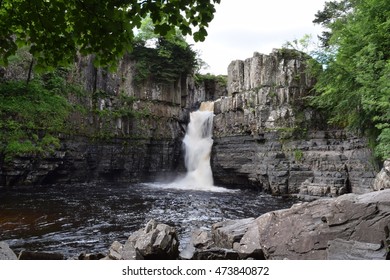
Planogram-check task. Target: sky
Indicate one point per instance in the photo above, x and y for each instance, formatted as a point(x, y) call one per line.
point(242, 27)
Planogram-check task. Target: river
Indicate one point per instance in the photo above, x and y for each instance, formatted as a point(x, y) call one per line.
point(71, 219)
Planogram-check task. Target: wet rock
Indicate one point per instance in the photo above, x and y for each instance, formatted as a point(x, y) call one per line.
point(91, 256)
point(340, 249)
point(6, 253)
point(29, 255)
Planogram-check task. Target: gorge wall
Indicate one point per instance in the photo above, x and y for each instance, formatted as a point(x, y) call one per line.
point(122, 130)
point(267, 137)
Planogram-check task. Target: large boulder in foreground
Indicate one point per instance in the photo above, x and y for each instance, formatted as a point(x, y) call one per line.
point(308, 230)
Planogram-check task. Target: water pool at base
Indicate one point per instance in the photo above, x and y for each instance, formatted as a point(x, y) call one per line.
point(71, 219)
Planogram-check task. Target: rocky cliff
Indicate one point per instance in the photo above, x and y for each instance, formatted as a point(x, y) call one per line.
point(267, 137)
point(123, 129)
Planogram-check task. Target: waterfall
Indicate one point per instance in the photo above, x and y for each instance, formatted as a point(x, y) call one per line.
point(198, 143)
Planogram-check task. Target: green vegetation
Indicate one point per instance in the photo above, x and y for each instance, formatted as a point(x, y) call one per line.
point(221, 79)
point(31, 116)
point(298, 155)
point(166, 60)
point(57, 30)
point(354, 87)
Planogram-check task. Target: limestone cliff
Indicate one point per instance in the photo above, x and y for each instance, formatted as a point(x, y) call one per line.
point(266, 136)
point(122, 130)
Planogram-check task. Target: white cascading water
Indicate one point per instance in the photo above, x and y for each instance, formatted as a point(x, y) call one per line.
point(198, 143)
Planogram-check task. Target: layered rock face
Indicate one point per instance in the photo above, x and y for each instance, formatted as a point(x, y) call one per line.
point(132, 131)
point(266, 137)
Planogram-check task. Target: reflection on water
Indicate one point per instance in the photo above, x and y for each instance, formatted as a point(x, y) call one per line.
point(71, 219)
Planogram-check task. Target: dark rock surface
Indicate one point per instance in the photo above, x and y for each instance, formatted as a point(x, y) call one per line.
point(81, 159)
point(30, 255)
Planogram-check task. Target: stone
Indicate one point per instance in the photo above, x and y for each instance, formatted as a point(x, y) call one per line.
point(216, 254)
point(30, 255)
point(6, 253)
point(249, 245)
point(225, 234)
point(305, 230)
point(201, 239)
point(382, 179)
point(339, 249)
point(92, 256)
point(115, 251)
point(155, 241)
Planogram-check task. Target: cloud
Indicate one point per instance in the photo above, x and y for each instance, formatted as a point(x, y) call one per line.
point(242, 27)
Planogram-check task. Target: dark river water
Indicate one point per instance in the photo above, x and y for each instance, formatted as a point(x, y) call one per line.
point(72, 219)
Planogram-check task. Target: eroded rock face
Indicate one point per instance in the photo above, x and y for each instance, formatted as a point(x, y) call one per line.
point(307, 230)
point(266, 137)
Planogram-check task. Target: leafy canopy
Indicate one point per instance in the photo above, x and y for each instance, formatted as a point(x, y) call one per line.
point(57, 29)
point(161, 59)
point(355, 84)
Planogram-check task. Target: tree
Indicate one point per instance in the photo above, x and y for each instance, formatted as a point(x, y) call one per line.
point(58, 29)
point(162, 59)
point(355, 84)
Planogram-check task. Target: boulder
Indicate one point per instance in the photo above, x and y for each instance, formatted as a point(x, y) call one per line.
point(6, 253)
point(155, 241)
point(227, 233)
point(382, 179)
point(221, 243)
point(115, 251)
point(249, 246)
point(305, 230)
point(200, 241)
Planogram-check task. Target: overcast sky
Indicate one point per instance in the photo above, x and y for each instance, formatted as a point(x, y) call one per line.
point(241, 27)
